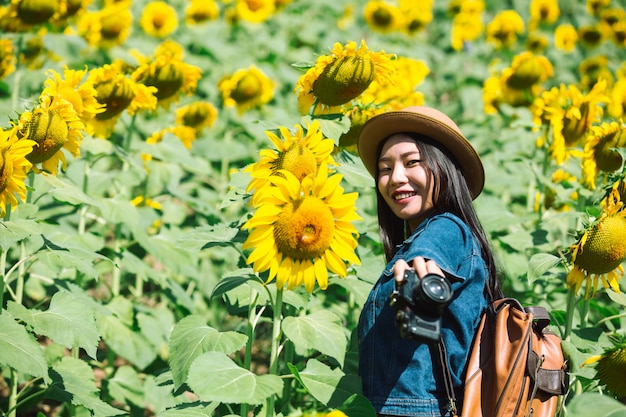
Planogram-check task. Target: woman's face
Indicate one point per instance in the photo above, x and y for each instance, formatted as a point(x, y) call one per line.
point(404, 182)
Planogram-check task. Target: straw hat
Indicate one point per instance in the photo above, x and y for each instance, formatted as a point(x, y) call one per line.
point(428, 122)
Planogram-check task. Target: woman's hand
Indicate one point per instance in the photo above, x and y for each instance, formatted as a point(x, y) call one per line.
point(421, 266)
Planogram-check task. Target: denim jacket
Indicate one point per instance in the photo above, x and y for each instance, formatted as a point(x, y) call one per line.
point(400, 377)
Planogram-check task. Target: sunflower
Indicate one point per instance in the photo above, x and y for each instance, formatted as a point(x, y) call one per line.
point(593, 69)
point(158, 19)
point(117, 93)
point(416, 15)
point(186, 134)
point(569, 113)
point(201, 11)
point(253, 11)
point(544, 12)
point(197, 115)
point(342, 76)
point(167, 71)
point(7, 57)
point(53, 125)
point(600, 250)
point(246, 88)
point(502, 31)
point(382, 16)
point(611, 366)
point(565, 37)
point(467, 24)
point(34, 12)
point(107, 27)
point(616, 107)
point(301, 231)
point(70, 86)
point(13, 168)
point(600, 154)
point(527, 70)
point(300, 153)
point(591, 35)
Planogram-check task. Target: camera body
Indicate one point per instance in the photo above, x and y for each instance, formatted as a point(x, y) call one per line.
point(419, 304)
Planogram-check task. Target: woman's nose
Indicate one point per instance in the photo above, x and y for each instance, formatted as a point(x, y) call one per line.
point(398, 176)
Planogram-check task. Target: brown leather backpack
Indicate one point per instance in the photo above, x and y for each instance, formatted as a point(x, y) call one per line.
point(516, 366)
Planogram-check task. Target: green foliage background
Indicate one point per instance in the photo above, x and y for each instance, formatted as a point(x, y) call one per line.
point(190, 329)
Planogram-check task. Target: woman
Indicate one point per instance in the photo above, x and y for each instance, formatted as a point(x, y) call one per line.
point(426, 175)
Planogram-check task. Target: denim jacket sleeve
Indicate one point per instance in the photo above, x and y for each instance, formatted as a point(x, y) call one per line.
point(398, 374)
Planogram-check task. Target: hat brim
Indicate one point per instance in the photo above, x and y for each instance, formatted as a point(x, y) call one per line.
point(380, 127)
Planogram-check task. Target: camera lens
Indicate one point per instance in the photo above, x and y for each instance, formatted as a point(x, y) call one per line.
point(436, 289)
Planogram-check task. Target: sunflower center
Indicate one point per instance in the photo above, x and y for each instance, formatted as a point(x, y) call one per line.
point(611, 369)
point(607, 158)
point(605, 248)
point(304, 229)
point(526, 75)
point(247, 88)
point(299, 160)
point(168, 79)
point(344, 79)
point(50, 132)
point(34, 12)
point(112, 27)
point(115, 95)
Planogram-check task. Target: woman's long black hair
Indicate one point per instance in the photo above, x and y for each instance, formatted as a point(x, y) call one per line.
point(450, 194)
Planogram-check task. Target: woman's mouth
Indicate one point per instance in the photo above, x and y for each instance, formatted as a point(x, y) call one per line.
point(403, 195)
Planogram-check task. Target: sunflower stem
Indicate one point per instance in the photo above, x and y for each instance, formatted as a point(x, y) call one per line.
point(247, 359)
point(278, 307)
point(571, 307)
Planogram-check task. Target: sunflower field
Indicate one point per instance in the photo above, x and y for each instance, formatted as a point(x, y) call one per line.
point(186, 228)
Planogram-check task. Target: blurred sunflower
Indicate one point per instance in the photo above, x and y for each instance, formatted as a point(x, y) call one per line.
point(34, 12)
point(502, 31)
point(117, 93)
point(593, 69)
point(186, 134)
point(253, 11)
point(416, 15)
point(527, 70)
point(13, 168)
point(611, 366)
point(158, 19)
point(600, 152)
point(107, 27)
point(569, 113)
point(197, 115)
point(595, 6)
point(167, 71)
point(467, 23)
point(590, 35)
point(342, 76)
point(301, 231)
point(617, 106)
point(53, 125)
point(565, 37)
point(382, 16)
point(543, 12)
point(600, 250)
point(358, 115)
point(201, 11)
point(246, 88)
point(73, 87)
point(537, 42)
point(7, 57)
point(300, 153)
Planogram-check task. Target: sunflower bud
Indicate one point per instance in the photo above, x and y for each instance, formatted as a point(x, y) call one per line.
point(116, 95)
point(605, 247)
point(344, 79)
point(35, 12)
point(49, 130)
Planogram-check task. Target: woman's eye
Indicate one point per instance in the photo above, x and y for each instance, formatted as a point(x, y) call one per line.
point(413, 162)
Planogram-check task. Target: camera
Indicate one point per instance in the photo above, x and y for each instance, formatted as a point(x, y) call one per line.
point(419, 304)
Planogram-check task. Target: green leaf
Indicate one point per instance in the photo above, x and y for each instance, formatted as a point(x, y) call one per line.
point(19, 348)
point(321, 330)
point(358, 406)
point(593, 404)
point(329, 386)
point(67, 321)
point(232, 280)
point(74, 382)
point(59, 258)
point(126, 386)
point(207, 237)
point(539, 264)
point(616, 297)
point(14, 231)
point(67, 192)
point(196, 409)
point(213, 376)
point(191, 338)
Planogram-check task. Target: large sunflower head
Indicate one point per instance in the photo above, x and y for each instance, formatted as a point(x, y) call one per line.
point(54, 126)
point(167, 71)
point(302, 230)
point(342, 76)
point(611, 366)
point(246, 88)
point(13, 168)
point(298, 152)
point(600, 250)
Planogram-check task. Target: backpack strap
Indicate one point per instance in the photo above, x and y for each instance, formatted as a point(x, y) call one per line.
point(442, 356)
